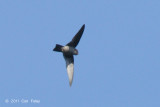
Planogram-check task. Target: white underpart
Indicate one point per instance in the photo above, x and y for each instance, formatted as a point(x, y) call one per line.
point(70, 71)
point(69, 50)
point(66, 48)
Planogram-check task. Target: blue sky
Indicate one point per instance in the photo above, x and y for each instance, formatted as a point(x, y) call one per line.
point(119, 56)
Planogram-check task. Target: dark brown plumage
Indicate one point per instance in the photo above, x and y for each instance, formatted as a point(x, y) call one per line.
point(68, 52)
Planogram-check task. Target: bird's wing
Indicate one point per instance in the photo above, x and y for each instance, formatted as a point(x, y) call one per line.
point(76, 38)
point(70, 67)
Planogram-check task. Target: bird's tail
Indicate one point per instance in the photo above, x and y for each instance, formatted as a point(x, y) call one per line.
point(58, 48)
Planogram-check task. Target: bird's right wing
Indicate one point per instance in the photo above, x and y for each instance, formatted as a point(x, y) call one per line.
point(76, 38)
point(70, 67)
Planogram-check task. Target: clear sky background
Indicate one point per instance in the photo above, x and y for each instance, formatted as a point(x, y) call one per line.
point(119, 53)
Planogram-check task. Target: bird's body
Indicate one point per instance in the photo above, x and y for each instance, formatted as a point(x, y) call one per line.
point(68, 52)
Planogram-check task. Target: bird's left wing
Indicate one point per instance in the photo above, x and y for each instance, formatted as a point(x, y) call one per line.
point(76, 38)
point(70, 67)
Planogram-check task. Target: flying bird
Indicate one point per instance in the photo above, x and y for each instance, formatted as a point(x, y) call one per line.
point(68, 51)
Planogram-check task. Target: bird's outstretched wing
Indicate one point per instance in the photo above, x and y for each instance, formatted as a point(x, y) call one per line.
point(70, 67)
point(76, 38)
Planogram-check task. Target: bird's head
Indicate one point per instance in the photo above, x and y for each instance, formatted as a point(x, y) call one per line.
point(75, 52)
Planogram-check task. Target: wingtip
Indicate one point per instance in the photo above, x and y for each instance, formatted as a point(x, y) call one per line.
point(70, 84)
point(83, 25)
